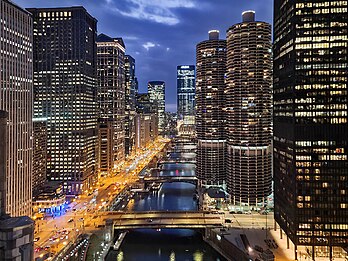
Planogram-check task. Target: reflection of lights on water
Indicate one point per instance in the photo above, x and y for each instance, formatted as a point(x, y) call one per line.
point(172, 256)
point(198, 256)
point(120, 256)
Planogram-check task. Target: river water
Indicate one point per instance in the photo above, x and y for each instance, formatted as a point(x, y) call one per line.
point(166, 244)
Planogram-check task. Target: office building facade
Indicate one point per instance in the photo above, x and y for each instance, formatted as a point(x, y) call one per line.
point(249, 103)
point(16, 97)
point(156, 91)
point(210, 113)
point(111, 101)
point(65, 93)
point(310, 124)
point(186, 86)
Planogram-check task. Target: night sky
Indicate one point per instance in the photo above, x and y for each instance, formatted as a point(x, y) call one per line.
point(161, 34)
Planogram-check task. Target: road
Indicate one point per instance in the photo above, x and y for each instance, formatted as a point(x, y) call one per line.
point(54, 233)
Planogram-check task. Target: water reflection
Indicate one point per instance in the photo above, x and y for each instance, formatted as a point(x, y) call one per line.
point(166, 244)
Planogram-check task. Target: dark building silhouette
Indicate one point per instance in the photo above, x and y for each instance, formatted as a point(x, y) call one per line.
point(65, 92)
point(210, 113)
point(310, 124)
point(249, 102)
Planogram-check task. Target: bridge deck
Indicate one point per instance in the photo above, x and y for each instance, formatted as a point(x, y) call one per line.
point(164, 219)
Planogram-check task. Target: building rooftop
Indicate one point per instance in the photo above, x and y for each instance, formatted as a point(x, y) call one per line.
point(10, 223)
point(106, 38)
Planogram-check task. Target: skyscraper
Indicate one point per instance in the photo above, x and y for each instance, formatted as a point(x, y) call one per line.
point(111, 100)
point(310, 123)
point(249, 100)
point(65, 92)
point(186, 86)
point(156, 91)
point(210, 109)
point(16, 241)
point(16, 97)
point(130, 100)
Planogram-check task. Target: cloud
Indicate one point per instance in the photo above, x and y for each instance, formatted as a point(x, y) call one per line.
point(158, 11)
point(130, 37)
point(149, 45)
point(168, 49)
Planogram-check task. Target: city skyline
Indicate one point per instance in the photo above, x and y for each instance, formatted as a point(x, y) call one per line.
point(92, 156)
point(142, 30)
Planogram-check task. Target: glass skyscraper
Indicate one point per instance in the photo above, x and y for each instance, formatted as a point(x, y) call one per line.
point(130, 103)
point(65, 92)
point(156, 91)
point(310, 123)
point(185, 90)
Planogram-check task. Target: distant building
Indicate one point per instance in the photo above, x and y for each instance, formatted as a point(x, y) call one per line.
point(16, 97)
point(145, 105)
point(210, 110)
point(111, 100)
point(65, 92)
point(39, 153)
point(146, 130)
point(170, 124)
point(311, 125)
point(130, 103)
point(156, 91)
point(249, 103)
point(186, 87)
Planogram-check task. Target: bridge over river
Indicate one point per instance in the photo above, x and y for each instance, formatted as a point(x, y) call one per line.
point(163, 219)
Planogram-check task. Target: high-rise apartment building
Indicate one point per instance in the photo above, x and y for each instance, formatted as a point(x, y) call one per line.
point(111, 101)
point(210, 109)
point(16, 97)
point(310, 123)
point(130, 103)
point(39, 153)
point(65, 92)
point(249, 103)
point(186, 90)
point(156, 91)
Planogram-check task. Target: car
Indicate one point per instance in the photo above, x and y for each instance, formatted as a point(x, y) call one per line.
point(38, 249)
point(149, 220)
point(36, 239)
point(47, 247)
point(228, 220)
point(70, 220)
